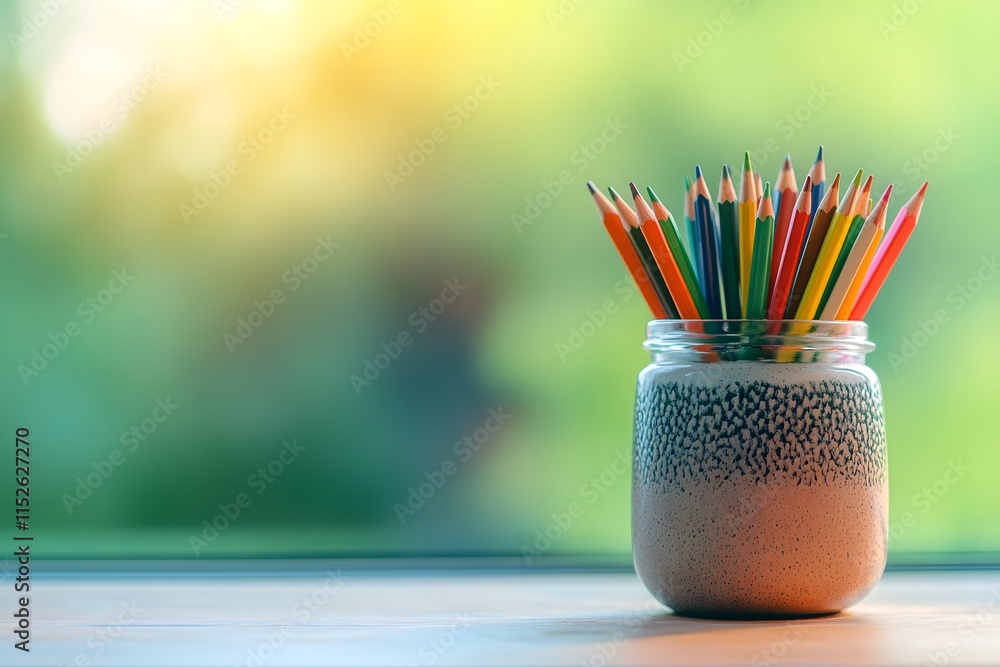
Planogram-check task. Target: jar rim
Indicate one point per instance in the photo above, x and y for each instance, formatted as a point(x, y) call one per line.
point(840, 337)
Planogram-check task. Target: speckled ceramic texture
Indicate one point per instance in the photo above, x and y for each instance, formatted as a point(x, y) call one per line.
point(759, 488)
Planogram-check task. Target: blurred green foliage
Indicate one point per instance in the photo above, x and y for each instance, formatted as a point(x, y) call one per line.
point(427, 142)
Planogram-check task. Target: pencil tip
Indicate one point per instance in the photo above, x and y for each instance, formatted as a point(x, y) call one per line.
point(788, 162)
point(807, 184)
point(614, 195)
point(635, 190)
point(591, 187)
point(767, 190)
point(725, 171)
point(746, 161)
point(652, 195)
point(888, 191)
point(819, 154)
point(697, 172)
point(836, 181)
point(857, 177)
point(923, 189)
point(687, 184)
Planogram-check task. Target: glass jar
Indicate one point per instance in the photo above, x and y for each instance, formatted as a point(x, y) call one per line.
point(759, 471)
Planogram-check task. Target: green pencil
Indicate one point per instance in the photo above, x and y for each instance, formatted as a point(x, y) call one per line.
point(730, 232)
point(760, 265)
point(857, 224)
point(679, 253)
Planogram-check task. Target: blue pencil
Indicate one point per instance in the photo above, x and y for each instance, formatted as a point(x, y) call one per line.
point(818, 175)
point(708, 240)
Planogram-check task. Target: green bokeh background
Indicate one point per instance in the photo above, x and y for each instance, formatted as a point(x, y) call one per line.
point(907, 91)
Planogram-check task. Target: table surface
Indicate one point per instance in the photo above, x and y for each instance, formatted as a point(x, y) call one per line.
point(356, 617)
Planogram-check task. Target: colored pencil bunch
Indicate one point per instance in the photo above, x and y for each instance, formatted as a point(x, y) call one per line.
point(764, 253)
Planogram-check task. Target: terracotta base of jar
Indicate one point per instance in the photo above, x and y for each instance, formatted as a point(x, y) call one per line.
point(745, 549)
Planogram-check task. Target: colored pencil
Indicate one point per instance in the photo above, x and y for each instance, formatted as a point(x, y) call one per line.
point(852, 292)
point(828, 252)
point(729, 229)
point(763, 243)
point(747, 215)
point(888, 252)
point(631, 223)
point(616, 230)
point(858, 217)
point(680, 253)
point(815, 235)
point(690, 227)
point(794, 241)
point(818, 175)
point(786, 192)
point(665, 261)
point(874, 222)
point(766, 252)
point(707, 239)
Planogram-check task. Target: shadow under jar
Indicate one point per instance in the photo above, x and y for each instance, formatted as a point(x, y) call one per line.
point(759, 472)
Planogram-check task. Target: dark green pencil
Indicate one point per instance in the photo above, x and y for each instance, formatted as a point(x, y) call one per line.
point(730, 232)
point(760, 265)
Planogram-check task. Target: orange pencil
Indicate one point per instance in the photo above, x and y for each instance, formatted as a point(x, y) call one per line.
point(888, 252)
point(630, 221)
point(859, 278)
point(664, 258)
point(789, 261)
point(872, 228)
point(616, 230)
point(786, 193)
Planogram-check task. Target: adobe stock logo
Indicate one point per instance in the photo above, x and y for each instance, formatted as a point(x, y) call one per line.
point(454, 116)
point(59, 340)
point(420, 320)
point(37, 21)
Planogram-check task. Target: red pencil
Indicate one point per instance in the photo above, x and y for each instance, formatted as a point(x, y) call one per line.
point(786, 191)
point(794, 238)
point(888, 252)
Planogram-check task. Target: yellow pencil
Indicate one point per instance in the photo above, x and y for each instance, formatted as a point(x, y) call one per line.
point(859, 278)
point(828, 252)
point(866, 240)
point(746, 215)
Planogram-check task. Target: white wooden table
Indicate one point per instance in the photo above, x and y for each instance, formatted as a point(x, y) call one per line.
point(435, 617)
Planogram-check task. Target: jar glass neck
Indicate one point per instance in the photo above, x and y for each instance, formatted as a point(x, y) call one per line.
point(790, 341)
